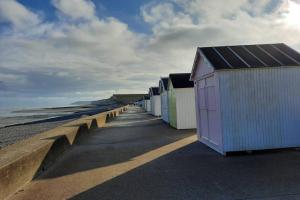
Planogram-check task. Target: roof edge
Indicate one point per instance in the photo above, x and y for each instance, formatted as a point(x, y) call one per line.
point(195, 64)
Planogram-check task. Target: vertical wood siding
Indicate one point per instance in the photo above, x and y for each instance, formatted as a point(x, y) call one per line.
point(155, 105)
point(148, 106)
point(260, 108)
point(208, 105)
point(185, 106)
point(172, 107)
point(209, 116)
point(164, 106)
point(197, 106)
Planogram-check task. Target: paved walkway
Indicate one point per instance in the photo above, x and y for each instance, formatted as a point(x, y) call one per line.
point(139, 157)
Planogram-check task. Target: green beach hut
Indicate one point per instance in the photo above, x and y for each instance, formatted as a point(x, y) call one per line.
point(181, 98)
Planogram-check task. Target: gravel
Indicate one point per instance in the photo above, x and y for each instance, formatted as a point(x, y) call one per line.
point(10, 135)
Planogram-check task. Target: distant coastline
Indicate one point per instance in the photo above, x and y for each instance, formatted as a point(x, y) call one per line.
point(28, 122)
point(53, 114)
point(23, 123)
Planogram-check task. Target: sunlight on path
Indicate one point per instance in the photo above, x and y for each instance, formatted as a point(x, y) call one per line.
point(74, 184)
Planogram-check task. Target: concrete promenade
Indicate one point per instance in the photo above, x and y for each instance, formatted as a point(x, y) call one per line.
point(137, 156)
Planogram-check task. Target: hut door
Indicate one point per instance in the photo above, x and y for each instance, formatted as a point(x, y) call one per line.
point(208, 110)
point(203, 122)
point(212, 110)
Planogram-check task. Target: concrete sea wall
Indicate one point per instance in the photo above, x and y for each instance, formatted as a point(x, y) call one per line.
point(24, 160)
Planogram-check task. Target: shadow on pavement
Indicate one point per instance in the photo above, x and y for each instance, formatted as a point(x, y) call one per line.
point(197, 172)
point(109, 146)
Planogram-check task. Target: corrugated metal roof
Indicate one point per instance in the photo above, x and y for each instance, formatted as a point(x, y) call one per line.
point(181, 80)
point(248, 56)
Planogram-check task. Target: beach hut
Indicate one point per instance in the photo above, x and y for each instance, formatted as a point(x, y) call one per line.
point(181, 98)
point(163, 91)
point(155, 101)
point(147, 103)
point(247, 97)
point(139, 103)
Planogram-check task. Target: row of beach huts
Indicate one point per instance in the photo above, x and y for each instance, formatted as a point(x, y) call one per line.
point(240, 98)
point(173, 100)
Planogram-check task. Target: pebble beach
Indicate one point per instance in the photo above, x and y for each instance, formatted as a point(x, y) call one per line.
point(12, 134)
point(14, 129)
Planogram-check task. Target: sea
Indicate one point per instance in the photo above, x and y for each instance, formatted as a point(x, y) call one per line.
point(23, 110)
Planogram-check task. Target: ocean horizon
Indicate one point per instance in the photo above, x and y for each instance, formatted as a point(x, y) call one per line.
point(8, 106)
point(23, 110)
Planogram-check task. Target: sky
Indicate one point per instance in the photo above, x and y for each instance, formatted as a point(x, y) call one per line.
point(94, 48)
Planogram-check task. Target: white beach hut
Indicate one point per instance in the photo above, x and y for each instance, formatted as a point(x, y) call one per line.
point(155, 101)
point(163, 91)
point(247, 97)
point(147, 103)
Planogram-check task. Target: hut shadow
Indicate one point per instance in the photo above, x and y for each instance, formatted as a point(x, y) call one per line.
point(263, 152)
point(62, 143)
point(148, 180)
point(88, 154)
point(140, 123)
point(197, 172)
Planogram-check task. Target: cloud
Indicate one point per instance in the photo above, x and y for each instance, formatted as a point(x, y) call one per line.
point(67, 59)
point(2, 86)
point(16, 14)
point(82, 55)
point(216, 23)
point(163, 16)
point(76, 9)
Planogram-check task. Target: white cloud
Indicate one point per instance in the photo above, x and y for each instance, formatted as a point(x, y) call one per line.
point(65, 58)
point(76, 9)
point(99, 56)
point(223, 23)
point(163, 16)
point(15, 13)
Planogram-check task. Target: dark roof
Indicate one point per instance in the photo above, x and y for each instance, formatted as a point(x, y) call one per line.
point(247, 56)
point(154, 91)
point(165, 82)
point(181, 80)
point(146, 97)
